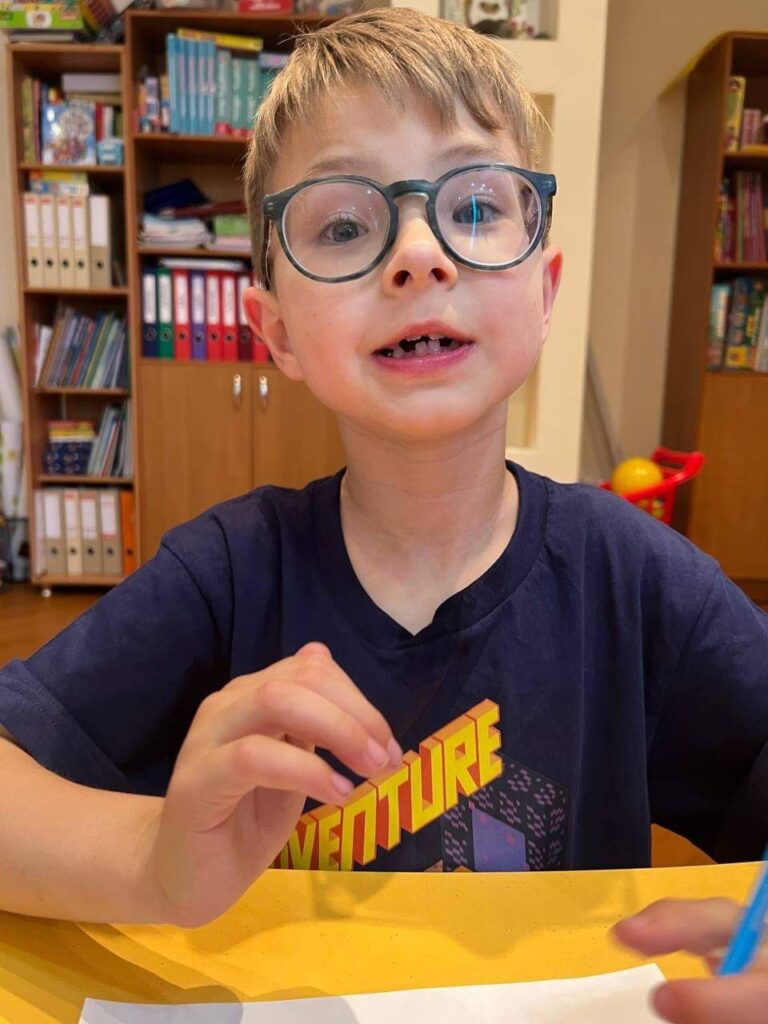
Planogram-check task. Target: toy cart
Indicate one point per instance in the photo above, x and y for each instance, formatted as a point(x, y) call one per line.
point(659, 499)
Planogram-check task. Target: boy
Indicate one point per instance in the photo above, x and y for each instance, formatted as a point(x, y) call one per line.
point(162, 748)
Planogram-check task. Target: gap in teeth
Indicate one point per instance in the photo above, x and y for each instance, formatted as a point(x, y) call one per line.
point(431, 344)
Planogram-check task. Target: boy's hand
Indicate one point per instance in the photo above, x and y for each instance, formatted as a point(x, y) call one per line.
point(244, 772)
point(703, 927)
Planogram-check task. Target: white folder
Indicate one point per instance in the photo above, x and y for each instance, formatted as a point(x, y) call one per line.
point(74, 537)
point(33, 240)
point(81, 241)
point(101, 242)
point(93, 562)
point(48, 234)
point(55, 545)
point(111, 537)
point(66, 242)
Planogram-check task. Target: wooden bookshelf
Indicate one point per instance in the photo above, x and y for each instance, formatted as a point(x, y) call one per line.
point(723, 413)
point(202, 432)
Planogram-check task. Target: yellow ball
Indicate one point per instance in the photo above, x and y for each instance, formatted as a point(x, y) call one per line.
point(634, 475)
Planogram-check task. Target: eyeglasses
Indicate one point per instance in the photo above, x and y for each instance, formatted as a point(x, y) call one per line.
point(485, 216)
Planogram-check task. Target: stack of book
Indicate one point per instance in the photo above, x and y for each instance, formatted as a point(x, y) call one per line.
point(78, 123)
point(68, 233)
point(738, 325)
point(193, 309)
point(112, 452)
point(80, 351)
point(184, 232)
point(212, 85)
point(81, 531)
point(230, 233)
point(744, 126)
point(68, 449)
point(742, 224)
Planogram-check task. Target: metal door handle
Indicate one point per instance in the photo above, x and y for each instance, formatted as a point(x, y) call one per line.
point(237, 390)
point(263, 390)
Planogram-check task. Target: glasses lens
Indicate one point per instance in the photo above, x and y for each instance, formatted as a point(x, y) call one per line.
point(489, 215)
point(336, 228)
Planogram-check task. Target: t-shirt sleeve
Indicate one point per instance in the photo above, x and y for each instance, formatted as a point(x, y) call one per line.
point(708, 760)
point(108, 701)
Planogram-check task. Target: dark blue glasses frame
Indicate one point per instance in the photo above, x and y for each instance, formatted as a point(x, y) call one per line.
point(273, 207)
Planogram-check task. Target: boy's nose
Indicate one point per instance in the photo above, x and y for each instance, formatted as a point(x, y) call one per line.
point(417, 258)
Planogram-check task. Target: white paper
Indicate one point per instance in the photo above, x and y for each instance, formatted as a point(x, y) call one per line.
point(602, 999)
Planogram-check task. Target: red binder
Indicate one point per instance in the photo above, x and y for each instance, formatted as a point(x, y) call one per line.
point(182, 341)
point(213, 316)
point(244, 336)
point(229, 316)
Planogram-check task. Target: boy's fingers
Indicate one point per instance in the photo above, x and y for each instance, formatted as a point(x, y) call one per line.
point(742, 999)
point(697, 926)
point(230, 772)
point(279, 709)
point(314, 669)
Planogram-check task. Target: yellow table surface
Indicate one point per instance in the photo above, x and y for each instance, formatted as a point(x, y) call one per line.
point(297, 934)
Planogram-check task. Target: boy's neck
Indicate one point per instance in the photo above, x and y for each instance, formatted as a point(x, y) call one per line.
point(420, 525)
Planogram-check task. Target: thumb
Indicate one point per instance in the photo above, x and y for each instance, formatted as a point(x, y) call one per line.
point(741, 999)
point(313, 647)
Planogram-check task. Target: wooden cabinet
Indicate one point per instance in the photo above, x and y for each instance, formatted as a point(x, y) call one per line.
point(214, 431)
point(724, 413)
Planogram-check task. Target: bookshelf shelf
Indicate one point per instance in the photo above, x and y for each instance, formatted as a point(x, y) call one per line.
point(199, 149)
point(194, 252)
point(741, 268)
point(77, 581)
point(108, 392)
point(67, 479)
point(93, 170)
point(96, 293)
point(723, 412)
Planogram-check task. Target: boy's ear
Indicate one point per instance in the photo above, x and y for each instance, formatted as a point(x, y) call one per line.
point(262, 310)
point(553, 268)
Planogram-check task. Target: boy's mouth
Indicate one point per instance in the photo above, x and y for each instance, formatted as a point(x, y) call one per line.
point(422, 345)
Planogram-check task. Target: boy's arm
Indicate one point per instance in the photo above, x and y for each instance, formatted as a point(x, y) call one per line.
point(708, 761)
point(71, 852)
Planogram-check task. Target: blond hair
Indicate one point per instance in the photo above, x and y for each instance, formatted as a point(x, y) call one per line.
point(397, 51)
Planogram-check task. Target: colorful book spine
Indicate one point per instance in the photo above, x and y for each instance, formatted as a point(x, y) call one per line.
point(718, 322)
point(738, 354)
point(238, 94)
point(223, 122)
point(173, 82)
point(734, 105)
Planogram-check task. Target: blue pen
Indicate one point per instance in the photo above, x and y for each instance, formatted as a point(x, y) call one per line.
point(747, 937)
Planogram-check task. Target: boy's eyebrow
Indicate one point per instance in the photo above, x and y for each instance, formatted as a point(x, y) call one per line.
point(348, 163)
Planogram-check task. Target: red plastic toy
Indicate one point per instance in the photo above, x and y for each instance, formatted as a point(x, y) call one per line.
point(677, 468)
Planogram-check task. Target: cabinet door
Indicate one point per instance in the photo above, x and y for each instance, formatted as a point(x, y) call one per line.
point(730, 498)
point(196, 441)
point(295, 437)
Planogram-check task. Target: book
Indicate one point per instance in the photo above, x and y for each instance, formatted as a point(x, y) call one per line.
point(734, 105)
point(230, 42)
point(719, 302)
point(69, 131)
point(738, 354)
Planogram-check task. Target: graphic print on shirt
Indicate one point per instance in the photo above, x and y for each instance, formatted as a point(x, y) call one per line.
point(493, 814)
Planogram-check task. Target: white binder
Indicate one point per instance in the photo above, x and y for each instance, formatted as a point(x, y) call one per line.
point(93, 564)
point(81, 241)
point(66, 242)
point(48, 235)
point(72, 524)
point(33, 240)
point(101, 244)
point(55, 545)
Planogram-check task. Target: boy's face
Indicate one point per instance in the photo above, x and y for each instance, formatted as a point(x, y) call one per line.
point(328, 334)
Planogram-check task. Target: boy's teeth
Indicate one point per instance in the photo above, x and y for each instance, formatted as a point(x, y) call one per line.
point(421, 348)
point(433, 345)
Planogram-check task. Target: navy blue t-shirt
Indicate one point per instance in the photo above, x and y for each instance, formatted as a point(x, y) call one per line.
point(631, 676)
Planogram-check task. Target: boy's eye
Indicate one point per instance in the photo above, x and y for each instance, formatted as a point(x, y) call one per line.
point(342, 229)
point(476, 210)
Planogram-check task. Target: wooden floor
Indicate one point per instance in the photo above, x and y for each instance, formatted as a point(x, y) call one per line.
point(28, 620)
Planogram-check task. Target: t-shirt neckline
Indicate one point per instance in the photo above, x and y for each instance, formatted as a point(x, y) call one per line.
point(458, 612)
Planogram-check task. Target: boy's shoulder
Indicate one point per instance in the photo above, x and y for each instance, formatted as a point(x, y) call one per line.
point(257, 518)
point(584, 521)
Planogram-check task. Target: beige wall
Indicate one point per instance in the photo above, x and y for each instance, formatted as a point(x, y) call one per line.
point(8, 297)
point(639, 164)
